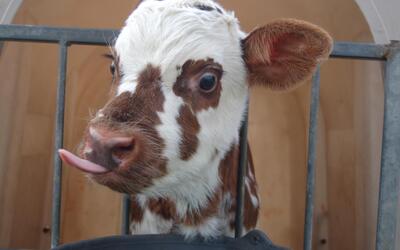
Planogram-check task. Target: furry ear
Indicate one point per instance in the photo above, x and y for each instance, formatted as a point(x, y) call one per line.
point(284, 53)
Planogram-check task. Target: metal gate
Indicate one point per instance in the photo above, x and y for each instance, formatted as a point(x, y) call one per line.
point(390, 157)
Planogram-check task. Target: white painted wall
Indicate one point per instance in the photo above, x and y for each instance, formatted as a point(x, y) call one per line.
point(383, 18)
point(8, 8)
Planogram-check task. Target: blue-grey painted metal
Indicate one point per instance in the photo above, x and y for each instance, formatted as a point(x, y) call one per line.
point(54, 35)
point(390, 159)
point(312, 146)
point(58, 144)
point(107, 36)
point(240, 188)
point(126, 207)
point(359, 51)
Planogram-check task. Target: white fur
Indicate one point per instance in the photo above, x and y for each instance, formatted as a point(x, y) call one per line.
point(250, 173)
point(127, 86)
point(253, 197)
point(211, 228)
point(167, 34)
point(169, 129)
point(151, 224)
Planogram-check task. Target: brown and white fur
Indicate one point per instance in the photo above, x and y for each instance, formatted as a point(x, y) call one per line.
point(169, 136)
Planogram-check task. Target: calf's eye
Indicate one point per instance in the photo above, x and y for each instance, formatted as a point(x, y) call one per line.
point(208, 82)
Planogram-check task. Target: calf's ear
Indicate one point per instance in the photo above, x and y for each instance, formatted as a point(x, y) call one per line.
point(284, 53)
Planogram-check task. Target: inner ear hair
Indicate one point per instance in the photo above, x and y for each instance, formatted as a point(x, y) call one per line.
point(284, 53)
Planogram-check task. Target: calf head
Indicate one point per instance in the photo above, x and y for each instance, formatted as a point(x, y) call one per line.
point(182, 69)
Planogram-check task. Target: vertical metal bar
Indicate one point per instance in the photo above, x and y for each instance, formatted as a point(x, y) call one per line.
point(390, 157)
point(312, 141)
point(241, 176)
point(126, 206)
point(59, 134)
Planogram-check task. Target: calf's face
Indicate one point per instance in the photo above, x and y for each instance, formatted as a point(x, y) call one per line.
point(182, 69)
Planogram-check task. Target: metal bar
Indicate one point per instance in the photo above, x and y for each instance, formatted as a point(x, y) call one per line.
point(359, 51)
point(126, 207)
point(390, 157)
point(59, 134)
point(107, 36)
point(240, 185)
point(312, 142)
point(45, 34)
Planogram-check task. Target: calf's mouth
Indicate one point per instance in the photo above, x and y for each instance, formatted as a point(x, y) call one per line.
point(81, 164)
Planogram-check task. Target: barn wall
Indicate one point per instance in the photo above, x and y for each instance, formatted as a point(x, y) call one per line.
point(348, 136)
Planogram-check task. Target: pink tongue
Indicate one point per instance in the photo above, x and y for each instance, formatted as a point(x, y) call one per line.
point(81, 164)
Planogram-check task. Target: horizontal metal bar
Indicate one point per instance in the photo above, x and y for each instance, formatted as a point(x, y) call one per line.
point(387, 228)
point(45, 34)
point(107, 36)
point(360, 51)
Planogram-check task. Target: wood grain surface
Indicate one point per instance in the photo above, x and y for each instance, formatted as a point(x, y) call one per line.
point(349, 133)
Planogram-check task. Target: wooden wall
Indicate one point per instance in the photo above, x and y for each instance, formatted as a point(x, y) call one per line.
point(348, 136)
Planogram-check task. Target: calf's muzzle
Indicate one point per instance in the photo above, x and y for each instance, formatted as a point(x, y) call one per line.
point(103, 151)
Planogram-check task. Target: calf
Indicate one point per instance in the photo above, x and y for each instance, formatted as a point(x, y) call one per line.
point(169, 136)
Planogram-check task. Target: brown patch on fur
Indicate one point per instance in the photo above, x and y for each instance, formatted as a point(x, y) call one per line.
point(190, 128)
point(167, 210)
point(228, 173)
point(228, 170)
point(186, 85)
point(250, 211)
point(135, 115)
point(195, 218)
point(136, 212)
point(285, 52)
point(163, 207)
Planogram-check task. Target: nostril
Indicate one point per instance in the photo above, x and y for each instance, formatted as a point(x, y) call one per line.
point(108, 149)
point(121, 148)
point(124, 148)
point(120, 143)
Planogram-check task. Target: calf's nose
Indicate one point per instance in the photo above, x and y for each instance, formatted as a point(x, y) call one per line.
point(107, 149)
